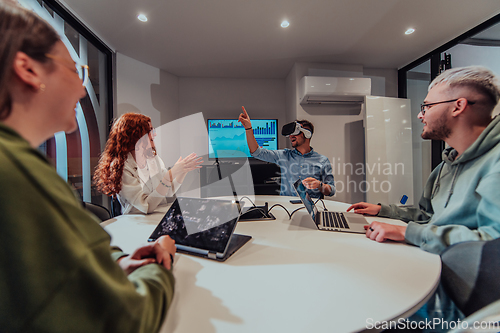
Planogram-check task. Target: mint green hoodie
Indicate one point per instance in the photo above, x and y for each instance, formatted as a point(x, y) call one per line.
point(461, 200)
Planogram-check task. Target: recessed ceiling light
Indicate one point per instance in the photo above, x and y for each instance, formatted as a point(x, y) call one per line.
point(142, 18)
point(285, 24)
point(409, 31)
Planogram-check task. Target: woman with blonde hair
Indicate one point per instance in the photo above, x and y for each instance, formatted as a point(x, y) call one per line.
point(131, 170)
point(58, 272)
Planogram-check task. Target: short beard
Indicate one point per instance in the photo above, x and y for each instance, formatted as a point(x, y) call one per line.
point(441, 132)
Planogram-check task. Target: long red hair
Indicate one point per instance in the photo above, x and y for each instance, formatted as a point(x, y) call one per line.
point(124, 134)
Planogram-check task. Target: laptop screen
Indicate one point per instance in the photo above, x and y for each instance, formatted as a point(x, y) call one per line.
point(306, 199)
point(205, 224)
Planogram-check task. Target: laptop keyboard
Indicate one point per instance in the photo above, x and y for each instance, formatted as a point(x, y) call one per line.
point(334, 220)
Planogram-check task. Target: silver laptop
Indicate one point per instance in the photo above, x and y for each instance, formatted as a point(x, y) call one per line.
point(202, 227)
point(330, 221)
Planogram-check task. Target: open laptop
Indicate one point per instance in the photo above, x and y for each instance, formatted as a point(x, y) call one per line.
point(330, 221)
point(202, 227)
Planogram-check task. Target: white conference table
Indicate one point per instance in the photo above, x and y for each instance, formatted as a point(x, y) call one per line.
point(291, 277)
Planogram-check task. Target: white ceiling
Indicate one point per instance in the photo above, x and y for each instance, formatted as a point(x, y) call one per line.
point(243, 38)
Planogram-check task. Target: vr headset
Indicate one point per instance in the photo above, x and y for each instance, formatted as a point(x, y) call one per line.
point(294, 128)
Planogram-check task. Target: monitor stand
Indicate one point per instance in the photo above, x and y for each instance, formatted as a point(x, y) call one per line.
point(257, 213)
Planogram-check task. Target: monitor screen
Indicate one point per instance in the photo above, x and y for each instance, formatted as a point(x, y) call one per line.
point(227, 138)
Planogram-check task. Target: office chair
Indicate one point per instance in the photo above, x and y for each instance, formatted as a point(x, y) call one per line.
point(101, 212)
point(488, 315)
point(470, 274)
point(116, 207)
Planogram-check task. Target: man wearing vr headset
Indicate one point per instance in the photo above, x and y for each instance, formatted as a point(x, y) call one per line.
point(302, 162)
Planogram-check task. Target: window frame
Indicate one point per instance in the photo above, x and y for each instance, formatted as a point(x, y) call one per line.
point(435, 57)
point(76, 24)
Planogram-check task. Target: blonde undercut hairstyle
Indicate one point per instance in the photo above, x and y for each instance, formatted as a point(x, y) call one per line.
point(477, 78)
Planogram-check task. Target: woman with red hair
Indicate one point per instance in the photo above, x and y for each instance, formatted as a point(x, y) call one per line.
point(130, 168)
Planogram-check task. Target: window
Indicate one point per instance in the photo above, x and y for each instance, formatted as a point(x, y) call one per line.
point(76, 155)
point(426, 68)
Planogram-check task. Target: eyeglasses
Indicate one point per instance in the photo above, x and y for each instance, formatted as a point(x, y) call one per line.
point(427, 106)
point(81, 70)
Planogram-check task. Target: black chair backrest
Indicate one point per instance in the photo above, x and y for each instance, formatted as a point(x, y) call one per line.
point(101, 212)
point(470, 274)
point(116, 207)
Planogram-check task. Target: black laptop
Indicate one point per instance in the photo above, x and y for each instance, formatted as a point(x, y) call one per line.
point(202, 227)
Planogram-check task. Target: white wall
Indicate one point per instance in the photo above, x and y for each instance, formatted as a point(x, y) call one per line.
point(223, 98)
point(148, 90)
point(153, 92)
point(145, 89)
point(384, 81)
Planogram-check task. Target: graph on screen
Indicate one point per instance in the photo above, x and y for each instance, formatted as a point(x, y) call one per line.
point(227, 138)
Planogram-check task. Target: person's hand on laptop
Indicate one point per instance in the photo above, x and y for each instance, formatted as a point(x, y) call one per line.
point(365, 208)
point(165, 251)
point(380, 232)
point(162, 252)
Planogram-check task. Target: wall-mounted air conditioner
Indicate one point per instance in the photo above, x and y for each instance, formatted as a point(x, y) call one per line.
point(333, 90)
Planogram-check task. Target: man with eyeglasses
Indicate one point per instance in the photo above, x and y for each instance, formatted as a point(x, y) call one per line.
point(460, 200)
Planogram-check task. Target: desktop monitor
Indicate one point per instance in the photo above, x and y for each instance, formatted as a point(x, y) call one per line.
point(227, 138)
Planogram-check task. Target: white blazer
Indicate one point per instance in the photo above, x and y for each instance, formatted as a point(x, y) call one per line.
point(138, 193)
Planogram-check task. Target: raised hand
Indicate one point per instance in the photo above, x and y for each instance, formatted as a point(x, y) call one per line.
point(311, 183)
point(244, 119)
point(184, 165)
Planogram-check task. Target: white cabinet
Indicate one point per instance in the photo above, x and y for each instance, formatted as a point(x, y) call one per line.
point(388, 150)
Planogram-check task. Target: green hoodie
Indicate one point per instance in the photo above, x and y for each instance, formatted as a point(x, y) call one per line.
point(461, 199)
point(57, 270)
